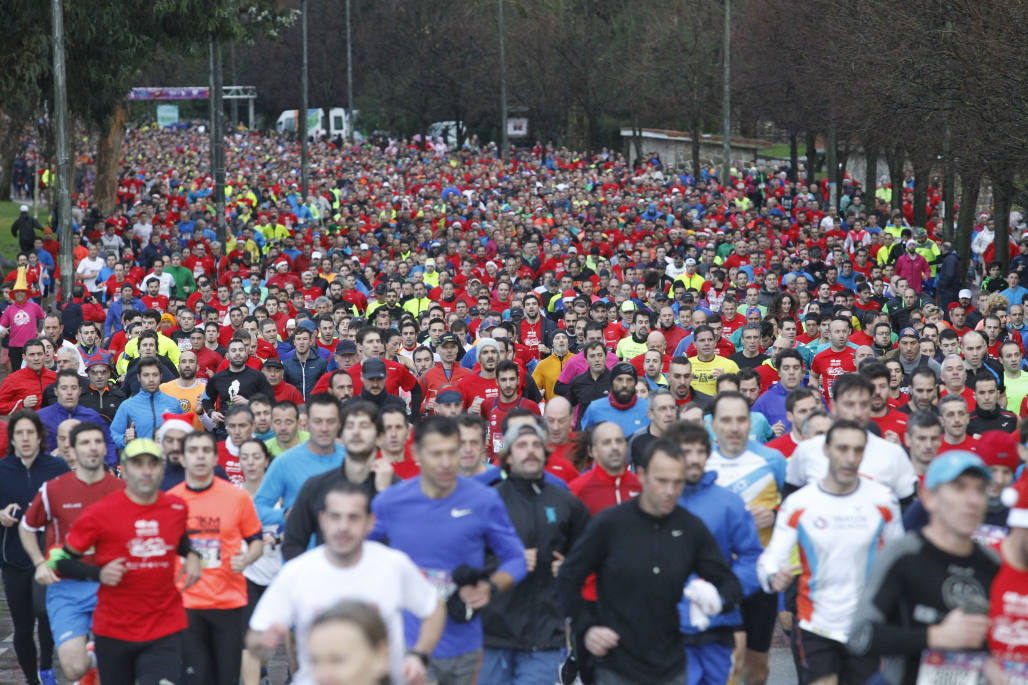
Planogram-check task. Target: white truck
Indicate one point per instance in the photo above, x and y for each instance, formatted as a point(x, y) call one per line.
point(332, 122)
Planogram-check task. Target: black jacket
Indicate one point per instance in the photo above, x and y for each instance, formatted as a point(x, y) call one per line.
point(548, 518)
point(19, 485)
point(24, 229)
point(642, 563)
point(104, 403)
point(996, 420)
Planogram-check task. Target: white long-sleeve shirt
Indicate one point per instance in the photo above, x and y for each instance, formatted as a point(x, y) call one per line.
point(839, 537)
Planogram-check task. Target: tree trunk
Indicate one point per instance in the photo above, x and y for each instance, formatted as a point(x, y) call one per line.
point(108, 159)
point(948, 198)
point(8, 151)
point(870, 174)
point(842, 156)
point(970, 185)
point(1001, 194)
point(794, 155)
point(894, 158)
point(812, 164)
point(694, 146)
point(831, 167)
point(921, 171)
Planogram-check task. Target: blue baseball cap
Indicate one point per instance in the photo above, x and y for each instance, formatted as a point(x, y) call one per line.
point(949, 466)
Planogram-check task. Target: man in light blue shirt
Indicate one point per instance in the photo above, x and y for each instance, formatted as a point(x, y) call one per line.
point(291, 469)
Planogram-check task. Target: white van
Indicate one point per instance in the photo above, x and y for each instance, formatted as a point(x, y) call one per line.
point(320, 122)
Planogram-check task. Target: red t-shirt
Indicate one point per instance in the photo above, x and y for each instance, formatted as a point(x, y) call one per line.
point(284, 392)
point(969, 443)
point(894, 420)
point(230, 462)
point(493, 410)
point(966, 393)
point(61, 501)
point(612, 335)
point(1008, 613)
point(406, 469)
point(474, 385)
point(785, 444)
point(145, 605)
point(558, 465)
point(830, 365)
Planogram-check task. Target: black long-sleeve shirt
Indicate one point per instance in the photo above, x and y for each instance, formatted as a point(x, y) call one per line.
point(914, 585)
point(642, 564)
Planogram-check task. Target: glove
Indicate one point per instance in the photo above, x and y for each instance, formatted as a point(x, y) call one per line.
point(455, 606)
point(704, 602)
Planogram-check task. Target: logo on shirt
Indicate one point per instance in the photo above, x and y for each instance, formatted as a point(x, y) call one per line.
point(147, 528)
point(458, 513)
point(676, 533)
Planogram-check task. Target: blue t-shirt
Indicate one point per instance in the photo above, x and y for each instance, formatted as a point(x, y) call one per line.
point(441, 534)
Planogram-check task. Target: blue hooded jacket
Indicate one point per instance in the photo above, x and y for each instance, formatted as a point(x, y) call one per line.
point(725, 515)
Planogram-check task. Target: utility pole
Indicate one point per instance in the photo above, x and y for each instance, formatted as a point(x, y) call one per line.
point(726, 104)
point(503, 83)
point(63, 154)
point(303, 105)
point(217, 142)
point(234, 105)
point(352, 125)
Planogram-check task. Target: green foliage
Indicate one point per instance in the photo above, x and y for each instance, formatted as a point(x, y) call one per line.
point(107, 44)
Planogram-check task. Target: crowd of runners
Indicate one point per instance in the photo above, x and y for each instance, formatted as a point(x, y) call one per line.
point(456, 419)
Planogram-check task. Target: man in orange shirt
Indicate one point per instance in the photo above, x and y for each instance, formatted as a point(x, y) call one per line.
point(223, 528)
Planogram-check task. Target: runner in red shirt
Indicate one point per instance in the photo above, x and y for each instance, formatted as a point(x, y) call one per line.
point(891, 422)
point(57, 506)
point(239, 425)
point(138, 535)
point(954, 417)
point(1008, 606)
point(478, 387)
point(834, 361)
point(496, 408)
point(394, 443)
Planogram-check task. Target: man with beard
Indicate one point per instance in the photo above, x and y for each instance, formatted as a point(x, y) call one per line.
point(187, 388)
point(235, 384)
point(478, 387)
point(548, 370)
point(535, 329)
point(495, 409)
point(100, 393)
point(621, 406)
point(362, 428)
point(709, 648)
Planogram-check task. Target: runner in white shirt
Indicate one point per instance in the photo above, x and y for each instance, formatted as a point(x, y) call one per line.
point(839, 523)
point(884, 462)
point(89, 268)
point(166, 280)
point(348, 567)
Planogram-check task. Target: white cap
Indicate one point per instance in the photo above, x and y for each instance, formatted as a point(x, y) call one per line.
point(963, 293)
point(24, 208)
point(315, 255)
point(364, 246)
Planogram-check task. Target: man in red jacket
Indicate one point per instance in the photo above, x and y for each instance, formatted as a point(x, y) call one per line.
point(24, 387)
point(608, 482)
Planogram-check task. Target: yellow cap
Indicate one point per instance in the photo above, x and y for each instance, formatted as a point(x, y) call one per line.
point(141, 446)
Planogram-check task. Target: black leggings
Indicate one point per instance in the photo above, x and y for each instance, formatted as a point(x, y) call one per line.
point(213, 646)
point(155, 662)
point(26, 600)
point(16, 354)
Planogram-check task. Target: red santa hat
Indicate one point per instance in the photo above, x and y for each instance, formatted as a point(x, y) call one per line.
point(179, 422)
point(1016, 497)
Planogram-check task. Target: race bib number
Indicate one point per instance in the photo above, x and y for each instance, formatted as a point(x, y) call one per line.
point(209, 550)
point(441, 581)
point(950, 668)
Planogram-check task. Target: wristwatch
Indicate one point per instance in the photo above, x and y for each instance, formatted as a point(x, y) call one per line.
point(421, 655)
